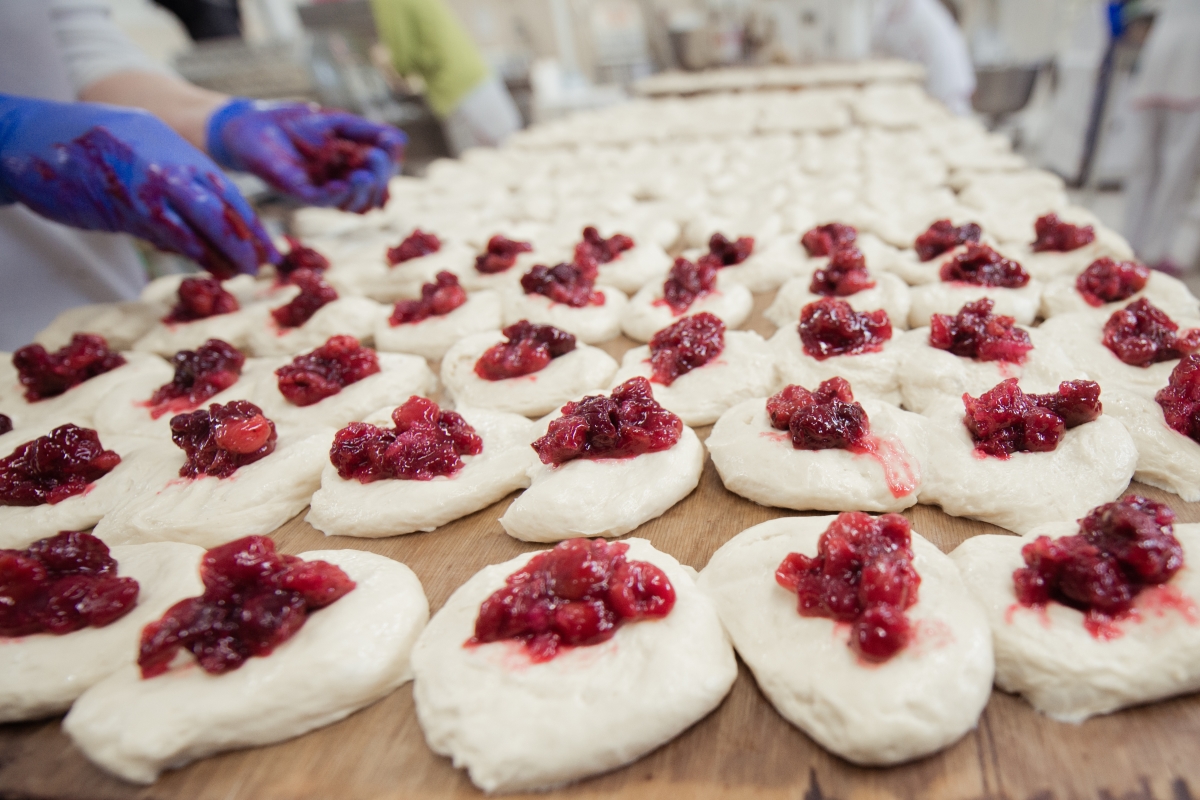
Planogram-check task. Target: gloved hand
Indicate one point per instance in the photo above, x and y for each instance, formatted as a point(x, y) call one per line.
point(324, 158)
point(106, 168)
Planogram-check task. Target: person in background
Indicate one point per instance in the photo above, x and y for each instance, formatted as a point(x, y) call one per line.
point(206, 19)
point(426, 39)
point(924, 31)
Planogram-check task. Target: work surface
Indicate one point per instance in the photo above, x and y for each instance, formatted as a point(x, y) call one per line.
point(743, 749)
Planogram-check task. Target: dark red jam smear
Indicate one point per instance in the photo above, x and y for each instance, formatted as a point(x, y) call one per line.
point(577, 594)
point(299, 257)
point(1005, 420)
point(315, 293)
point(415, 245)
point(500, 254)
point(62, 584)
point(222, 439)
point(199, 374)
point(311, 377)
point(826, 419)
point(46, 374)
point(843, 275)
point(254, 600)
point(980, 265)
point(201, 298)
point(1109, 281)
point(570, 284)
point(528, 350)
point(51, 468)
point(830, 327)
point(1142, 334)
point(685, 345)
point(687, 281)
point(1051, 233)
point(975, 332)
point(628, 423)
point(862, 574)
point(943, 236)
point(437, 299)
point(1121, 548)
point(1180, 398)
point(725, 252)
point(595, 250)
point(333, 159)
point(5, 424)
point(825, 240)
point(425, 444)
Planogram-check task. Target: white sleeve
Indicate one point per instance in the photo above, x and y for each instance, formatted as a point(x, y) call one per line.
point(92, 45)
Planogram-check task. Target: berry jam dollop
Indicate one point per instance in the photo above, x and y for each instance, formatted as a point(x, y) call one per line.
point(723, 252)
point(254, 600)
point(826, 419)
point(980, 265)
point(687, 281)
point(299, 257)
point(528, 350)
point(500, 254)
point(315, 293)
point(569, 284)
point(415, 245)
point(830, 327)
point(201, 298)
point(626, 424)
point(577, 594)
point(1108, 281)
point(975, 332)
point(333, 159)
point(1051, 233)
point(46, 374)
point(437, 299)
point(425, 444)
point(943, 236)
point(5, 424)
point(1180, 398)
point(843, 275)
point(1005, 420)
point(862, 574)
point(60, 585)
point(311, 377)
point(595, 249)
point(825, 240)
point(1121, 549)
point(199, 374)
point(1142, 334)
point(222, 439)
point(51, 468)
point(685, 345)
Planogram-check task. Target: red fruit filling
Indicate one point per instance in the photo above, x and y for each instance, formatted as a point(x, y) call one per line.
point(332, 160)
point(220, 440)
point(311, 377)
point(595, 249)
point(1108, 281)
point(60, 585)
point(426, 443)
point(570, 284)
point(254, 600)
point(975, 332)
point(1142, 334)
point(1180, 398)
point(314, 294)
point(1051, 233)
point(1005, 420)
point(500, 255)
point(5, 424)
point(844, 274)
point(687, 281)
point(862, 574)
point(826, 419)
point(437, 299)
point(529, 349)
point(1121, 548)
point(723, 252)
point(201, 298)
point(46, 374)
point(627, 424)
point(980, 265)
point(825, 240)
point(830, 327)
point(942, 236)
point(685, 345)
point(51, 468)
point(575, 595)
point(199, 374)
point(300, 257)
point(417, 244)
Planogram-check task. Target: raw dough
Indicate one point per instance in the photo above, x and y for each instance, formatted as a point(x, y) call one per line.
point(1166, 458)
point(354, 316)
point(647, 312)
point(889, 293)
point(873, 375)
point(1170, 294)
point(591, 324)
point(949, 297)
point(432, 337)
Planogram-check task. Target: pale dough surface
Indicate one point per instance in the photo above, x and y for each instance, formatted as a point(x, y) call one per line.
point(432, 337)
point(1170, 294)
point(647, 312)
point(121, 324)
point(1166, 458)
point(949, 297)
point(1050, 264)
point(889, 293)
point(167, 339)
point(370, 275)
point(630, 271)
point(353, 316)
point(873, 375)
point(591, 324)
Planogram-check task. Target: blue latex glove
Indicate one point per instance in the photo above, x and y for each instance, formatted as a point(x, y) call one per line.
point(283, 144)
point(106, 168)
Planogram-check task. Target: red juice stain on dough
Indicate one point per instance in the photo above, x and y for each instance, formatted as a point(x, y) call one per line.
point(929, 635)
point(899, 470)
point(1010, 614)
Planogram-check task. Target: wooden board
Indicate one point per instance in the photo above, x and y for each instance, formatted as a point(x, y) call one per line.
point(743, 749)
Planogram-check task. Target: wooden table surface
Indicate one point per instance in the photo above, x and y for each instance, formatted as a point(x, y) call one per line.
point(743, 749)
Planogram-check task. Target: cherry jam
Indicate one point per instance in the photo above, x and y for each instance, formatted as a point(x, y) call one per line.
point(826, 419)
point(686, 282)
point(46, 374)
point(437, 300)
point(311, 377)
point(843, 275)
point(5, 424)
point(528, 350)
point(221, 439)
point(500, 254)
point(569, 284)
point(1108, 281)
point(685, 345)
point(314, 295)
point(943, 236)
point(299, 257)
point(425, 444)
point(201, 298)
point(724, 252)
point(976, 333)
point(415, 245)
point(830, 327)
point(594, 249)
point(1051, 233)
point(980, 265)
point(825, 240)
point(51, 468)
point(1180, 398)
point(199, 374)
point(1005, 420)
point(334, 159)
point(1142, 334)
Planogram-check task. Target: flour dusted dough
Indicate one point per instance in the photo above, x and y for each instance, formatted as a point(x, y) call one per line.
point(346, 656)
point(432, 337)
point(946, 297)
point(1170, 294)
point(889, 293)
point(1166, 458)
point(873, 375)
point(647, 312)
point(352, 316)
point(515, 725)
point(591, 324)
